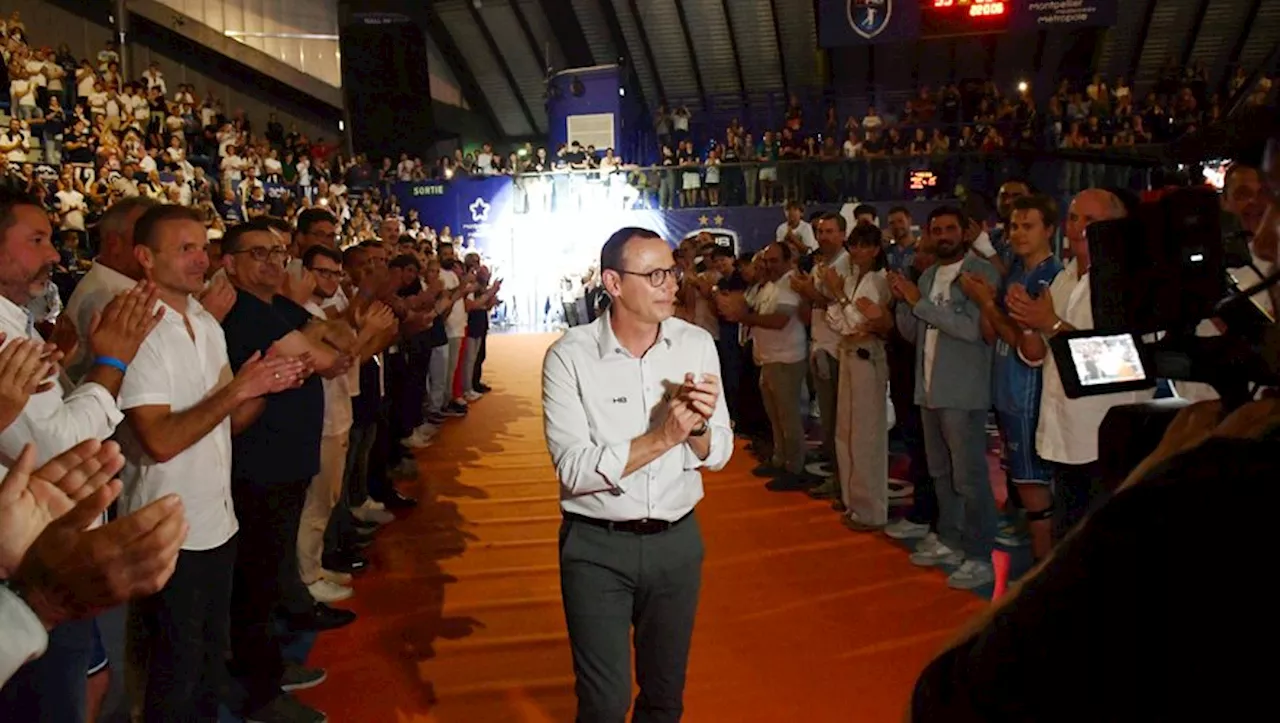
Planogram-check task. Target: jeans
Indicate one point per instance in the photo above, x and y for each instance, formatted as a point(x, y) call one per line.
point(186, 637)
point(438, 391)
point(471, 363)
point(956, 443)
point(615, 584)
point(266, 577)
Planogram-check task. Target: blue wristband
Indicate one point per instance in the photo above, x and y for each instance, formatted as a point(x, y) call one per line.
point(110, 361)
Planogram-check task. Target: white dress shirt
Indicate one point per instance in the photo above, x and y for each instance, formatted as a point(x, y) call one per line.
point(1068, 428)
point(175, 370)
point(597, 397)
point(98, 287)
point(455, 323)
point(821, 336)
point(24, 638)
point(54, 420)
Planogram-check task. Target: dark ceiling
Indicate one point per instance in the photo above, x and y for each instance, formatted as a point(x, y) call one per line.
point(718, 54)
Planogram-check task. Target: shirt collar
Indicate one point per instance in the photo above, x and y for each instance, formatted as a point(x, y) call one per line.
point(607, 343)
point(16, 315)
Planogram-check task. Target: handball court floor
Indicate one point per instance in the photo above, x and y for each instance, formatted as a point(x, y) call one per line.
point(460, 617)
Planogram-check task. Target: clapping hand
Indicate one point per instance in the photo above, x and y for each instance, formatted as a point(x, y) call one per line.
point(977, 287)
point(65, 336)
point(218, 297)
point(260, 376)
point(903, 288)
point(298, 289)
point(833, 280)
point(31, 499)
point(120, 328)
point(701, 396)
point(25, 367)
point(1037, 313)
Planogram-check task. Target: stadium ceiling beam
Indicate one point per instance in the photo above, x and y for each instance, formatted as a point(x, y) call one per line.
point(471, 89)
point(649, 57)
point(526, 30)
point(777, 39)
point(1193, 34)
point(1237, 48)
point(496, 51)
point(625, 57)
point(737, 56)
point(693, 53)
point(1135, 57)
point(564, 24)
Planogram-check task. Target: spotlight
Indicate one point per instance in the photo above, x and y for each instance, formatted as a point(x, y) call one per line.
point(1022, 87)
point(622, 91)
point(522, 152)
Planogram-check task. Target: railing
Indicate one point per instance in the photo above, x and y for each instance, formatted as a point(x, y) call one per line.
point(888, 178)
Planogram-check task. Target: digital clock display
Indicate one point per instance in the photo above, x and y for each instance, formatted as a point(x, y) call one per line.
point(942, 18)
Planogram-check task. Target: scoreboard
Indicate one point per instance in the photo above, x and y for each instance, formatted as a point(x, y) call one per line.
point(944, 18)
point(852, 22)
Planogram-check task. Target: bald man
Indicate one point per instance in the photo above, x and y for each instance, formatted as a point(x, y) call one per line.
point(1067, 432)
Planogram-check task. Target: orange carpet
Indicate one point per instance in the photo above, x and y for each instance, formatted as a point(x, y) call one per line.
point(460, 618)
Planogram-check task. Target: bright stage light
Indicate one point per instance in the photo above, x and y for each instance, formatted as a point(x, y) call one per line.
point(1022, 87)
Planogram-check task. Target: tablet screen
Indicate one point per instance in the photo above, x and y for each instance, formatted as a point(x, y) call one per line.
point(1106, 359)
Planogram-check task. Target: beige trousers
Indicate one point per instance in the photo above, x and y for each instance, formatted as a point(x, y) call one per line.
point(862, 434)
point(322, 495)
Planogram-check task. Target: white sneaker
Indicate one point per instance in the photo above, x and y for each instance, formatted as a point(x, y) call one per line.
point(368, 514)
point(372, 504)
point(337, 578)
point(426, 430)
point(971, 574)
point(326, 592)
point(417, 441)
point(905, 529)
point(936, 555)
point(472, 396)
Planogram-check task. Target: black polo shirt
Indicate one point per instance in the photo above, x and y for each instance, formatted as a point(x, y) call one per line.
point(283, 445)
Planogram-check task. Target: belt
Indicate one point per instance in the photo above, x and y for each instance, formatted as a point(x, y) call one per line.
point(635, 527)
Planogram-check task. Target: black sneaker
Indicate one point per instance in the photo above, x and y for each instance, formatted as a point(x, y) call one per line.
point(300, 677)
point(482, 388)
point(454, 410)
point(286, 709)
point(436, 418)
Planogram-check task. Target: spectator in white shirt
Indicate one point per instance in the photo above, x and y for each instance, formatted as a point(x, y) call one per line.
point(155, 78)
point(629, 484)
point(404, 171)
point(107, 56)
point(781, 351)
point(181, 403)
point(57, 418)
point(862, 438)
point(14, 143)
point(1067, 433)
point(797, 232)
point(71, 206)
point(22, 94)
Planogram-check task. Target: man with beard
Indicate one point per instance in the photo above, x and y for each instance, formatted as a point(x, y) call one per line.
point(953, 389)
point(56, 419)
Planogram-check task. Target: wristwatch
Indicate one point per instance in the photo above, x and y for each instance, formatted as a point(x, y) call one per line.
point(1057, 327)
point(699, 430)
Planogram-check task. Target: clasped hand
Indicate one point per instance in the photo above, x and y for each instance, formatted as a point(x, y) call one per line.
point(689, 406)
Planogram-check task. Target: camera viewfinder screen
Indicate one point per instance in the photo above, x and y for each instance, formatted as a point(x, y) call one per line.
point(1106, 360)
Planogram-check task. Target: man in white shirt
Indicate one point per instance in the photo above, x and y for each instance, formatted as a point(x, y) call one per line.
point(455, 325)
point(180, 403)
point(1067, 432)
point(632, 410)
point(781, 350)
point(58, 418)
point(155, 78)
point(114, 271)
point(824, 347)
point(796, 231)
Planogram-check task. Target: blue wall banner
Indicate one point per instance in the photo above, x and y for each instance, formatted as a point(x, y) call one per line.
point(858, 22)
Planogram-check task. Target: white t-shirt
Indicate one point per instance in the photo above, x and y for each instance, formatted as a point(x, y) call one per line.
point(174, 370)
point(97, 101)
point(802, 229)
point(71, 205)
point(19, 152)
point(84, 88)
point(779, 346)
point(20, 89)
point(940, 295)
point(455, 324)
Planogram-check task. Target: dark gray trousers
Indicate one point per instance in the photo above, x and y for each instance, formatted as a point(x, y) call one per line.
point(612, 583)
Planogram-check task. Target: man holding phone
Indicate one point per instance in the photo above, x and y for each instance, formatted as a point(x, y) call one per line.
point(632, 411)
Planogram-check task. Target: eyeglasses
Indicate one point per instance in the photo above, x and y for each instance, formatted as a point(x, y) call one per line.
point(657, 277)
point(265, 253)
point(331, 274)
